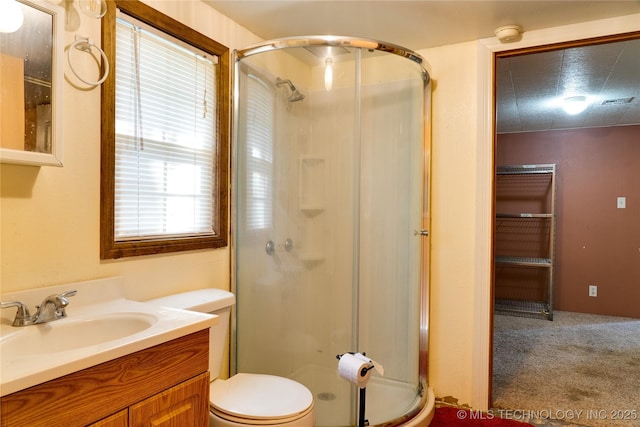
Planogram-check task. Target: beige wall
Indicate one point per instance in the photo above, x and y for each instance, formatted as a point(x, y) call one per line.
point(49, 217)
point(453, 69)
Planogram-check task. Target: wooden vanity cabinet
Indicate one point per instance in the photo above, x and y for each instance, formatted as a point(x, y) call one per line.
point(165, 385)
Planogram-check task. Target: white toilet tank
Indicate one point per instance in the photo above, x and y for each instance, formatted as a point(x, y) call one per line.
point(213, 301)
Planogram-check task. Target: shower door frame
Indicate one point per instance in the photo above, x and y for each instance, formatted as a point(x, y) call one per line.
point(350, 42)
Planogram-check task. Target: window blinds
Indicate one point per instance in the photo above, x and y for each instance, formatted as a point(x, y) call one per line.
point(165, 135)
point(259, 137)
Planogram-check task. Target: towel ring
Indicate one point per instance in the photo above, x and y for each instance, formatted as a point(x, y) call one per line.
point(85, 45)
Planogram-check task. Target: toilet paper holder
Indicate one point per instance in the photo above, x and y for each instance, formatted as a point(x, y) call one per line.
point(362, 422)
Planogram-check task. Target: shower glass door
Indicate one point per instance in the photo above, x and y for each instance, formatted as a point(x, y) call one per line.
point(328, 197)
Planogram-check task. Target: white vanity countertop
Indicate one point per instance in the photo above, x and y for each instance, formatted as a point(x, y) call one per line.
point(101, 325)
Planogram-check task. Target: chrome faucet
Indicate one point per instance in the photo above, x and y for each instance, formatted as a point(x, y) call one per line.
point(51, 308)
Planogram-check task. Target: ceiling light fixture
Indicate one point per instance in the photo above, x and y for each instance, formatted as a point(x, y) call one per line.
point(11, 16)
point(328, 74)
point(575, 104)
point(508, 33)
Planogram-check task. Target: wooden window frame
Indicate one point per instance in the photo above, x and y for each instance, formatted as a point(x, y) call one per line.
point(109, 247)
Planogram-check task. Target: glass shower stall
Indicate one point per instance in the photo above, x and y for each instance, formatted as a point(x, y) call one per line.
point(329, 220)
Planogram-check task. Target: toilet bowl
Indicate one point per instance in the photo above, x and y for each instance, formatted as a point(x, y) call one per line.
point(245, 399)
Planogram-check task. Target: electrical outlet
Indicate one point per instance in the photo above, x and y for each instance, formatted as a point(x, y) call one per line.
point(593, 290)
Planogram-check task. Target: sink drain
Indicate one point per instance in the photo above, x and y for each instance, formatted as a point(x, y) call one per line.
point(326, 396)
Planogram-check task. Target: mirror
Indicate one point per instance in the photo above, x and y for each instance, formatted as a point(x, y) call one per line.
point(31, 86)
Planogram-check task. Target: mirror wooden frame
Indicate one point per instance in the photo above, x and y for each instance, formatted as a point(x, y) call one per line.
point(54, 158)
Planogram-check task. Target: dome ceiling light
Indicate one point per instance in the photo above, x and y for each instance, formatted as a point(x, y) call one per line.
point(575, 104)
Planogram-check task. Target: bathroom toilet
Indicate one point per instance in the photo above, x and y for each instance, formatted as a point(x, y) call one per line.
point(244, 399)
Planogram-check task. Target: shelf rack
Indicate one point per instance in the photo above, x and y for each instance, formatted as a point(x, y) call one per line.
point(524, 240)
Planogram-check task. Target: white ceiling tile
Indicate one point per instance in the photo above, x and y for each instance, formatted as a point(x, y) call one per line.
point(603, 71)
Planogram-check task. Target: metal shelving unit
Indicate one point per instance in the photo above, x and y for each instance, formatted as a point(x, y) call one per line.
point(524, 240)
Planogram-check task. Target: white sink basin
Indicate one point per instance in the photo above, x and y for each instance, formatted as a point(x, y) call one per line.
point(101, 325)
point(73, 333)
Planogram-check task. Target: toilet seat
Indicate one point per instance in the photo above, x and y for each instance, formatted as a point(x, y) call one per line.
point(257, 399)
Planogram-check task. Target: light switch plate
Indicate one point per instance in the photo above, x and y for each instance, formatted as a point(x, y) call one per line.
point(622, 202)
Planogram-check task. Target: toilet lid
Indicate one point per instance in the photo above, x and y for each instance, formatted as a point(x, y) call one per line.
point(257, 396)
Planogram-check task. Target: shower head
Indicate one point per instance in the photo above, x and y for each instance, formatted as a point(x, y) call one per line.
point(295, 93)
point(296, 96)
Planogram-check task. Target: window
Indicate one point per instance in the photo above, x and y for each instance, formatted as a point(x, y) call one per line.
point(165, 136)
point(259, 155)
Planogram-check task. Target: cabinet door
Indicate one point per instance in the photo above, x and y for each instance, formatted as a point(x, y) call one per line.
point(119, 419)
point(186, 404)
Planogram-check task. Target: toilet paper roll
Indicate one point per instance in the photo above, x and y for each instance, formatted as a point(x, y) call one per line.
point(377, 366)
point(354, 369)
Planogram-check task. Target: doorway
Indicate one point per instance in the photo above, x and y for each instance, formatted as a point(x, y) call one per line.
point(574, 143)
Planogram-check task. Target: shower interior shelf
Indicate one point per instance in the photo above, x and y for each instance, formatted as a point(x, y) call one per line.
point(312, 203)
point(312, 176)
point(524, 240)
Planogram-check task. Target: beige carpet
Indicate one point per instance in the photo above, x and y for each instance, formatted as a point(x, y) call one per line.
point(579, 369)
